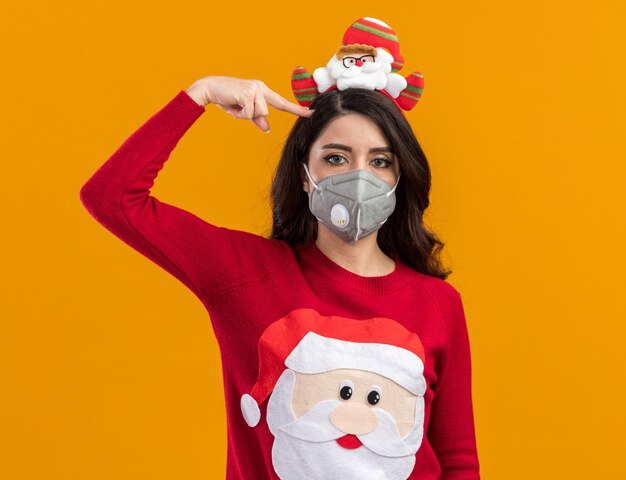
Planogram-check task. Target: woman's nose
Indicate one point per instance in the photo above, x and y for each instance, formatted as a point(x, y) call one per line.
point(359, 164)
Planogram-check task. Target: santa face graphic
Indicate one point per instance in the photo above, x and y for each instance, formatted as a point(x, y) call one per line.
point(372, 75)
point(348, 424)
point(355, 69)
point(345, 397)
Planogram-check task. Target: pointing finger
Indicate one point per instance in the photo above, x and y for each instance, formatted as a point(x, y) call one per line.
point(262, 123)
point(279, 102)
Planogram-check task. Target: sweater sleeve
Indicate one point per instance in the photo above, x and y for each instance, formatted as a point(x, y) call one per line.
point(208, 259)
point(451, 426)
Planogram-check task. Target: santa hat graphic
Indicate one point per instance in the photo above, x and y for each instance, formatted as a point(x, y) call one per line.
point(307, 342)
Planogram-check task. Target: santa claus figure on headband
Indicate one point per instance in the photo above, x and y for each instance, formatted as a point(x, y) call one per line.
point(362, 66)
point(368, 58)
point(346, 396)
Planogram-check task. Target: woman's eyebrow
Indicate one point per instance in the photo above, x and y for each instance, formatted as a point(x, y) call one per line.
point(349, 149)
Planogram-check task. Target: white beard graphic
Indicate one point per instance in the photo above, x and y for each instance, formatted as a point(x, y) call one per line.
point(371, 75)
point(305, 448)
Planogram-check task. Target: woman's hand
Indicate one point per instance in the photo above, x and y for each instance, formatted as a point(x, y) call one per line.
point(243, 98)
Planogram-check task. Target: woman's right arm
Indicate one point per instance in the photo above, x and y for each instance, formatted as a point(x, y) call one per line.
point(201, 255)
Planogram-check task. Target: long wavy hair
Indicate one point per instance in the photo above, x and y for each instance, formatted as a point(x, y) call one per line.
point(404, 233)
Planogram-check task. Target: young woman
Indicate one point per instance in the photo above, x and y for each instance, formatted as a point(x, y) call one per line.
point(345, 353)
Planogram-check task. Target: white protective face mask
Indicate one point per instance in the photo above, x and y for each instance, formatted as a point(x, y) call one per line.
point(352, 204)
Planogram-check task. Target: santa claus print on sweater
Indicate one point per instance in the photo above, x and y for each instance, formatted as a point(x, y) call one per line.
point(345, 396)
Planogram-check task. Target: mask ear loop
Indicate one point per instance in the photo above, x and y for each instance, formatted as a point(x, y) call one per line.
point(309, 175)
point(394, 187)
point(392, 190)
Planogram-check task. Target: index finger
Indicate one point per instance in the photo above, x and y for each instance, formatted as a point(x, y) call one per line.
point(281, 103)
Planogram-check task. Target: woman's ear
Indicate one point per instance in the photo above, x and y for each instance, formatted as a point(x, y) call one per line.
point(305, 179)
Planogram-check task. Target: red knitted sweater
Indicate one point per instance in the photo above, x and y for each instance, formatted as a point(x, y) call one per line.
point(327, 374)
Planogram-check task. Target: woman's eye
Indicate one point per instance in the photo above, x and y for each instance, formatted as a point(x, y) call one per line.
point(385, 162)
point(330, 158)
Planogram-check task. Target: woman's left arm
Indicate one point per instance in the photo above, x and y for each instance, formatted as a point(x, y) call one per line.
point(451, 426)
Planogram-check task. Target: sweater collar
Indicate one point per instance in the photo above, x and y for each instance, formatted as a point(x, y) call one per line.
point(314, 258)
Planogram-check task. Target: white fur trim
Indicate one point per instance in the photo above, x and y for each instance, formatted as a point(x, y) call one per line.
point(250, 410)
point(315, 354)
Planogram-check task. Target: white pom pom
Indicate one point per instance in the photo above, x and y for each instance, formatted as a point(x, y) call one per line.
point(250, 410)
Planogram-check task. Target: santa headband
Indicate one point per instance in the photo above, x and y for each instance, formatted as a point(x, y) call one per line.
point(368, 40)
point(307, 342)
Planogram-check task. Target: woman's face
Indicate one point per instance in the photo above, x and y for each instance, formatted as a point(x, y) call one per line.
point(351, 142)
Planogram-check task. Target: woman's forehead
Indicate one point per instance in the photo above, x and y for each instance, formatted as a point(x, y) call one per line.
point(353, 129)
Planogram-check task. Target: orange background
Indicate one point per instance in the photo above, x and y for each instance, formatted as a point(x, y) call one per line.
point(108, 365)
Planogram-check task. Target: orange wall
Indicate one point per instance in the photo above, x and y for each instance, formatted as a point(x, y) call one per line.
point(108, 366)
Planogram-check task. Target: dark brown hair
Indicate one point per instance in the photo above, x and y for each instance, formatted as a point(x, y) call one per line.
point(404, 232)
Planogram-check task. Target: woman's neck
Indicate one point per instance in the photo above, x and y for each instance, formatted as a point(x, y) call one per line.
point(363, 257)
